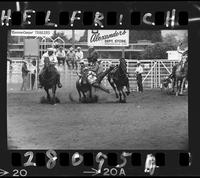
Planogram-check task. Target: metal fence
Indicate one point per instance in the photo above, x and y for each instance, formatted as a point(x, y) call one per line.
point(154, 72)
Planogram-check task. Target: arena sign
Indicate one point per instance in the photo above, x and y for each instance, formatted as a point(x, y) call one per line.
point(108, 37)
point(43, 33)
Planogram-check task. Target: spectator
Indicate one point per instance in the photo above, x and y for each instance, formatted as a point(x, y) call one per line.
point(70, 57)
point(32, 69)
point(79, 54)
point(60, 54)
point(25, 72)
point(139, 71)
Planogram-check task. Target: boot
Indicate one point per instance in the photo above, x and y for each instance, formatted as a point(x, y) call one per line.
point(39, 85)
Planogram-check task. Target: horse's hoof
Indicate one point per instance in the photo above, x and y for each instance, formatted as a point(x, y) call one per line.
point(57, 100)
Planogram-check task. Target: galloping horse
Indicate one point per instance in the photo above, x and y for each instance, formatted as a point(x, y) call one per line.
point(118, 79)
point(49, 79)
point(180, 76)
point(83, 85)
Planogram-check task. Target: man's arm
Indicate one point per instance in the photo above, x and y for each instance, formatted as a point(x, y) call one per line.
point(81, 55)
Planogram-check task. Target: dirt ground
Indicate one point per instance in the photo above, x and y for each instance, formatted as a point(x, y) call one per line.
point(151, 120)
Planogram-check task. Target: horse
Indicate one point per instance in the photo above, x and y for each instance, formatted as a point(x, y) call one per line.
point(83, 85)
point(49, 80)
point(180, 76)
point(118, 79)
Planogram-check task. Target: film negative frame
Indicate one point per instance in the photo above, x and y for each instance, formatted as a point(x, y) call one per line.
point(104, 162)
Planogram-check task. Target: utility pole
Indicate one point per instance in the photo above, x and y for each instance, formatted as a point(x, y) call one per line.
point(73, 39)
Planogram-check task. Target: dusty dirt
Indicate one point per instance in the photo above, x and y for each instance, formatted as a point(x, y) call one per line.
point(151, 120)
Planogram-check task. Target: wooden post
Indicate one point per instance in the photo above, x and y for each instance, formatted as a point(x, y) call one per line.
point(123, 52)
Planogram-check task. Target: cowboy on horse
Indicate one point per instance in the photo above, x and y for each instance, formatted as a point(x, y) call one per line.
point(94, 70)
point(179, 71)
point(49, 59)
point(184, 58)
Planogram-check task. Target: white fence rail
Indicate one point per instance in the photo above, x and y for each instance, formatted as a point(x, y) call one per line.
point(154, 71)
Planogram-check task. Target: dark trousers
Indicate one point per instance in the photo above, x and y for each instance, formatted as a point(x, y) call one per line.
point(139, 82)
point(24, 81)
point(32, 80)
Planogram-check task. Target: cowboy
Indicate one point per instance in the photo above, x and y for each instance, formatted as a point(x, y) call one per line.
point(93, 55)
point(25, 72)
point(184, 53)
point(60, 54)
point(139, 71)
point(95, 73)
point(82, 68)
point(70, 57)
point(184, 58)
point(50, 54)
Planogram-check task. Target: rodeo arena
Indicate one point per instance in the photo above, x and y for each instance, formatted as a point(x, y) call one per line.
point(68, 95)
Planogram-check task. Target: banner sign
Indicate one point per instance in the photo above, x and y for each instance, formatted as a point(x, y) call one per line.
point(108, 37)
point(43, 33)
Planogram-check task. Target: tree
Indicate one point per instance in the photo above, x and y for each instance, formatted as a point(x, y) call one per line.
point(84, 37)
point(61, 35)
point(157, 51)
point(151, 35)
point(185, 40)
point(171, 39)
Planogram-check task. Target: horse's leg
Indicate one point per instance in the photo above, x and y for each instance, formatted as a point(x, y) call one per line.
point(124, 95)
point(90, 92)
point(84, 96)
point(177, 87)
point(182, 85)
point(173, 84)
point(79, 93)
point(48, 95)
point(54, 94)
point(128, 88)
point(120, 94)
point(112, 85)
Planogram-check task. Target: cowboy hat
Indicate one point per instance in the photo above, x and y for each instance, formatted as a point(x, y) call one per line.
point(51, 49)
point(81, 62)
point(78, 47)
point(138, 62)
point(71, 48)
point(24, 61)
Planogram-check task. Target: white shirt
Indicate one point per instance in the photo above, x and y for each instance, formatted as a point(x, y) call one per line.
point(60, 53)
point(52, 58)
point(79, 55)
point(139, 69)
point(32, 68)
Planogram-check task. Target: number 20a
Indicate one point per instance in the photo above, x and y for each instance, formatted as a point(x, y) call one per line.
point(113, 172)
